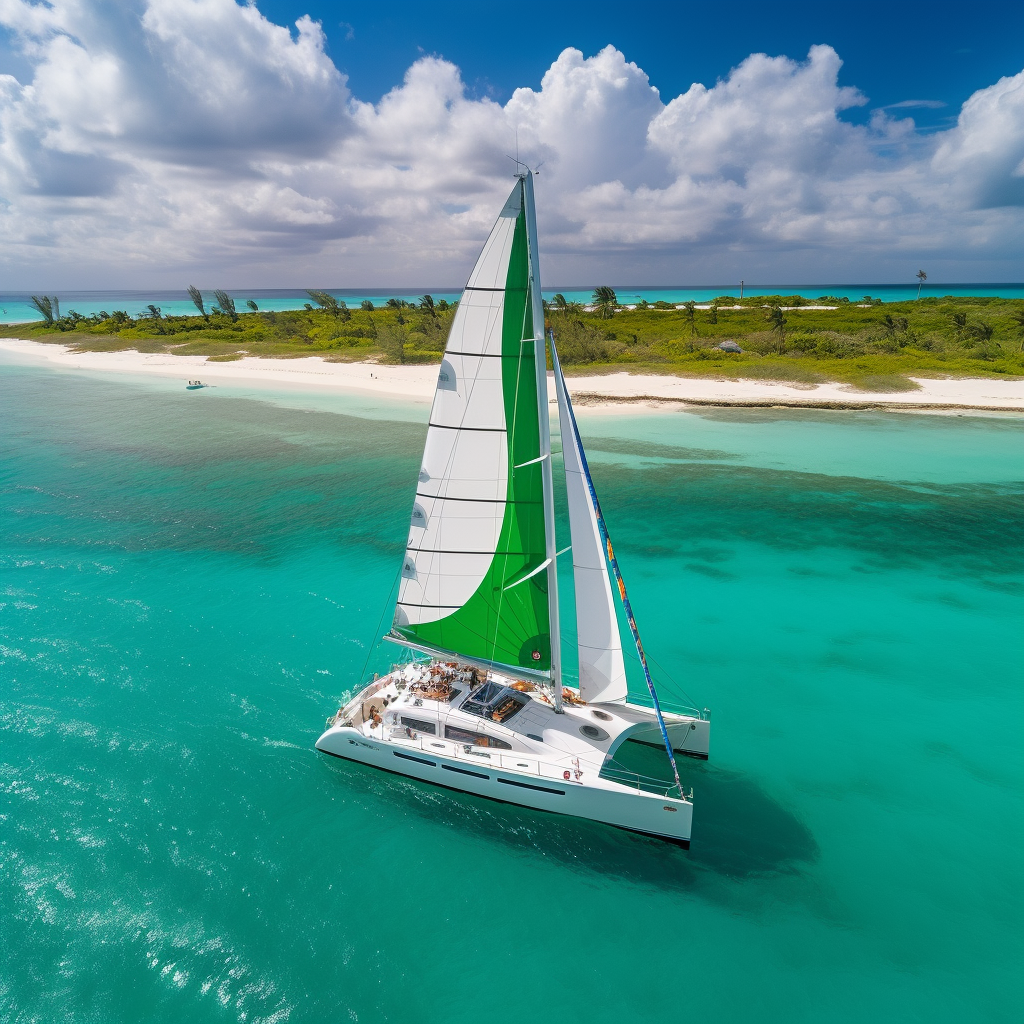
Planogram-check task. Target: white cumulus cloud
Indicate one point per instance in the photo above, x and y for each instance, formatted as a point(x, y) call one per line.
point(155, 141)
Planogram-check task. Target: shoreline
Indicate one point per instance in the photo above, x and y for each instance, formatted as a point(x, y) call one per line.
point(605, 392)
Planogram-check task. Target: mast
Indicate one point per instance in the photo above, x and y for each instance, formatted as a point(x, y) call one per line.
point(540, 360)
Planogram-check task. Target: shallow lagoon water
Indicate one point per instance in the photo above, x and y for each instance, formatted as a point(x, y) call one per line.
point(191, 580)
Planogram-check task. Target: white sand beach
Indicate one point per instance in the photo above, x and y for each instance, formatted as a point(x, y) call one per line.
point(606, 391)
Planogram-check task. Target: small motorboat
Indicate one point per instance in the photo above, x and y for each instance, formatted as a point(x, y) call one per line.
point(194, 385)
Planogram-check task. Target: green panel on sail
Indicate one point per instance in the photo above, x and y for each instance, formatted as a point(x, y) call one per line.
point(473, 580)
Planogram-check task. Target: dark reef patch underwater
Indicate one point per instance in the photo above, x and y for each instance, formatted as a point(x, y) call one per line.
point(190, 581)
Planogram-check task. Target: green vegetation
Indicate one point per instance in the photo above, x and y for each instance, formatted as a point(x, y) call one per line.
point(867, 344)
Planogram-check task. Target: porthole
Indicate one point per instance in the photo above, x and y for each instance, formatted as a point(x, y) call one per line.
point(592, 732)
point(602, 715)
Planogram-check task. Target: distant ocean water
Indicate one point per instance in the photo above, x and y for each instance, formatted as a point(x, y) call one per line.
point(16, 307)
point(190, 581)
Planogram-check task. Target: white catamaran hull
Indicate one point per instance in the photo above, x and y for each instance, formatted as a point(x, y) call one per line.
point(688, 735)
point(499, 778)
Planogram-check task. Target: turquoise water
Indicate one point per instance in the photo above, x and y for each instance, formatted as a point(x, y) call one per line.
point(16, 307)
point(190, 581)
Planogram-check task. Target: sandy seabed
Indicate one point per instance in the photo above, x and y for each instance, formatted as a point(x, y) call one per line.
point(607, 391)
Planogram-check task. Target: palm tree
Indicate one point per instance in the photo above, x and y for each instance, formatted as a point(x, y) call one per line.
point(775, 317)
point(197, 297)
point(367, 305)
point(690, 316)
point(45, 306)
point(921, 278)
point(226, 304)
point(252, 305)
point(558, 302)
point(325, 301)
point(427, 305)
point(713, 312)
point(604, 301)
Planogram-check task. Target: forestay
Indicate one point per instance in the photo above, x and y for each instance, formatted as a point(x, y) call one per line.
point(472, 581)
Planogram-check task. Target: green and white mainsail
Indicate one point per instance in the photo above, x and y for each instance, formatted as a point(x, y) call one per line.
point(478, 580)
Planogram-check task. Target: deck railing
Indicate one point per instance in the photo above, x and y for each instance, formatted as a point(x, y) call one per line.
point(673, 707)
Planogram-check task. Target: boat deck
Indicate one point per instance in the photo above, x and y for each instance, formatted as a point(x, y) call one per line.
point(481, 718)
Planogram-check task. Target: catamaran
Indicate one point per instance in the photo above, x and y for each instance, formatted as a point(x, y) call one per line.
point(482, 706)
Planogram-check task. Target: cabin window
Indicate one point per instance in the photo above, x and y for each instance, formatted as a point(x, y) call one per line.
point(419, 726)
point(498, 703)
point(478, 739)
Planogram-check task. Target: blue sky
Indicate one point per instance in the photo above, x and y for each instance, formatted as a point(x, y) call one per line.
point(893, 52)
point(291, 144)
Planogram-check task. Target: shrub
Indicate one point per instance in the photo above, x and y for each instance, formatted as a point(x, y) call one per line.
point(578, 342)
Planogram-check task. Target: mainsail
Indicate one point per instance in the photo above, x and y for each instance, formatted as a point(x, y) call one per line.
point(602, 670)
point(478, 574)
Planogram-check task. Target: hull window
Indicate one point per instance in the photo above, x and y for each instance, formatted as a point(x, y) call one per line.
point(526, 785)
point(419, 726)
point(418, 760)
point(466, 771)
point(451, 732)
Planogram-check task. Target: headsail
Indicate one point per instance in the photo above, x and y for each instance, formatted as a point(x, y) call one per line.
point(473, 579)
point(602, 669)
point(563, 399)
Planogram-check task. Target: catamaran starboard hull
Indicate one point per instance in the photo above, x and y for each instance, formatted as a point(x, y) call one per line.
point(441, 763)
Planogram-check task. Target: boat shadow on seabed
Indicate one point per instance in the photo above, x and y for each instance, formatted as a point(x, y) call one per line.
point(741, 832)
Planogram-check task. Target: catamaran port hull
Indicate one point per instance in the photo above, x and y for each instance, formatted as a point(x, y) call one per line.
point(607, 802)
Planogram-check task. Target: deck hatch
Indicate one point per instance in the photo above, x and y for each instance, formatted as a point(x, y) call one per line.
point(494, 701)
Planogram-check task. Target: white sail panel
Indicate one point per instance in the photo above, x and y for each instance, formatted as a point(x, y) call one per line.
point(602, 669)
point(463, 480)
point(491, 270)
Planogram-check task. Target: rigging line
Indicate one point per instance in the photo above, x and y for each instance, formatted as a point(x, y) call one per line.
point(679, 692)
point(668, 675)
point(387, 604)
point(603, 527)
